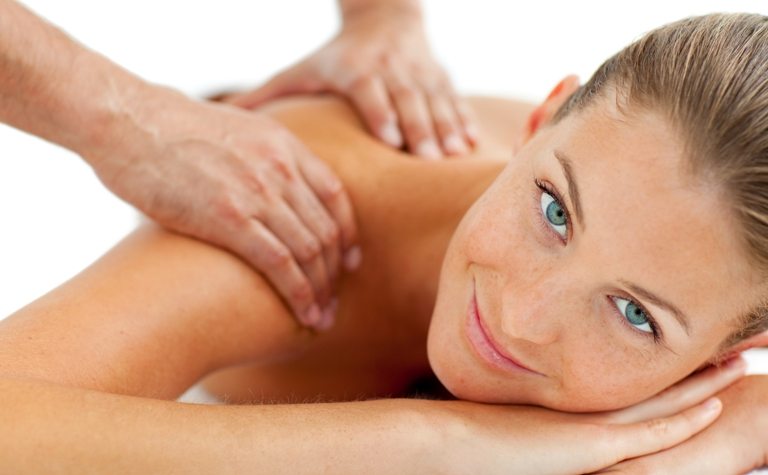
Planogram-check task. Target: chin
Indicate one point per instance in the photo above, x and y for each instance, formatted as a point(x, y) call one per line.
point(455, 370)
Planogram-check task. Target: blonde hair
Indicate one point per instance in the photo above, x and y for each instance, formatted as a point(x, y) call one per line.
point(709, 76)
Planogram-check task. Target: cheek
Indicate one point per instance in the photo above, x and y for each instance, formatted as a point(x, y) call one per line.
point(496, 233)
point(599, 376)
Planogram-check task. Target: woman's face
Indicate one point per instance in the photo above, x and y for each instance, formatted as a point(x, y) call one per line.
point(595, 260)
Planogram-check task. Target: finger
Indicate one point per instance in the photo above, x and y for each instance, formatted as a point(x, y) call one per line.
point(329, 189)
point(633, 440)
point(294, 80)
point(412, 111)
point(270, 256)
point(316, 218)
point(467, 119)
point(369, 96)
point(684, 394)
point(447, 125)
point(415, 120)
point(306, 247)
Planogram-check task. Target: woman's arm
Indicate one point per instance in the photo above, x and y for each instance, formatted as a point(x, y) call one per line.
point(160, 311)
point(54, 429)
point(50, 428)
point(150, 318)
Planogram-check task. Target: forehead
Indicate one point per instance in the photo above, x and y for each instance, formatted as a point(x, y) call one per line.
point(648, 219)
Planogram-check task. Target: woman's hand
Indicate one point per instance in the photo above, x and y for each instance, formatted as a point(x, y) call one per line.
point(238, 180)
point(496, 439)
point(382, 63)
point(735, 444)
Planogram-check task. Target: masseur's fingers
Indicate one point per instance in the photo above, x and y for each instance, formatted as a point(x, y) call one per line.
point(325, 231)
point(336, 202)
point(467, 119)
point(632, 440)
point(684, 394)
point(413, 112)
point(448, 124)
point(303, 243)
point(259, 246)
point(415, 120)
point(369, 96)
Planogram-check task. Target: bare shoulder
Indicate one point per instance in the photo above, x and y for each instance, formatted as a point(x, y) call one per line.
point(316, 118)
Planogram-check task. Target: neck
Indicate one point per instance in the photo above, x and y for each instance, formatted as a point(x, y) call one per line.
point(416, 241)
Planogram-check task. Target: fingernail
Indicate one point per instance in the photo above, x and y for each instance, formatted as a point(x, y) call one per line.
point(391, 134)
point(712, 405)
point(313, 315)
point(352, 258)
point(472, 132)
point(428, 149)
point(329, 316)
point(454, 145)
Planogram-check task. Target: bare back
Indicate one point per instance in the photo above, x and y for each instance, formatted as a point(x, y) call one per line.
point(406, 210)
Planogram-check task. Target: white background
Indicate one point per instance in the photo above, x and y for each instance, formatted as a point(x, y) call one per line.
point(56, 218)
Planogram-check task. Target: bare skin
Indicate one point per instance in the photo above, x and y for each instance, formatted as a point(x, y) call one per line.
point(393, 233)
point(160, 311)
point(404, 247)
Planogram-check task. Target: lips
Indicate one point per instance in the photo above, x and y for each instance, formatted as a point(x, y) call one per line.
point(486, 348)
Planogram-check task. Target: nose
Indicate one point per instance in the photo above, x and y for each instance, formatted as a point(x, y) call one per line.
point(535, 311)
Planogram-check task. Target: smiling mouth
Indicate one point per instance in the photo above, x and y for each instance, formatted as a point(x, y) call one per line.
point(485, 347)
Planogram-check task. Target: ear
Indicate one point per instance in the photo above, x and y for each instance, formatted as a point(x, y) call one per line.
point(544, 112)
point(761, 339)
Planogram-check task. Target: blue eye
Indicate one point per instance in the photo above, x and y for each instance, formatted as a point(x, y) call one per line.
point(554, 213)
point(635, 315)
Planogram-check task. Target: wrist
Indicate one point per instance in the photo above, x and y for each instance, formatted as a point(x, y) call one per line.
point(54, 87)
point(101, 114)
point(395, 11)
point(432, 429)
point(121, 114)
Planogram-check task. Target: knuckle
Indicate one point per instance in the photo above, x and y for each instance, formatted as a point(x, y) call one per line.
point(280, 165)
point(331, 235)
point(405, 93)
point(659, 428)
point(311, 249)
point(301, 292)
point(277, 257)
point(229, 210)
point(378, 116)
point(361, 82)
point(445, 127)
point(417, 131)
point(332, 191)
point(256, 180)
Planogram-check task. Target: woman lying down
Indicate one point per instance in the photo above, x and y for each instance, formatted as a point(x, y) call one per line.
point(555, 294)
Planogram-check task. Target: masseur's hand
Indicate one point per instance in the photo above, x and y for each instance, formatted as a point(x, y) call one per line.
point(735, 444)
point(382, 63)
point(488, 439)
point(238, 180)
point(235, 179)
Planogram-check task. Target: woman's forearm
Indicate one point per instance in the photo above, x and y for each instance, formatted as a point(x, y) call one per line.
point(50, 428)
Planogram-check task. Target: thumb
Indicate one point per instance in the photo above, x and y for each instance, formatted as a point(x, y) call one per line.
point(295, 80)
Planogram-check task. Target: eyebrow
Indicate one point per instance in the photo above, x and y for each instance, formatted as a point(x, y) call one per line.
point(681, 318)
point(573, 189)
